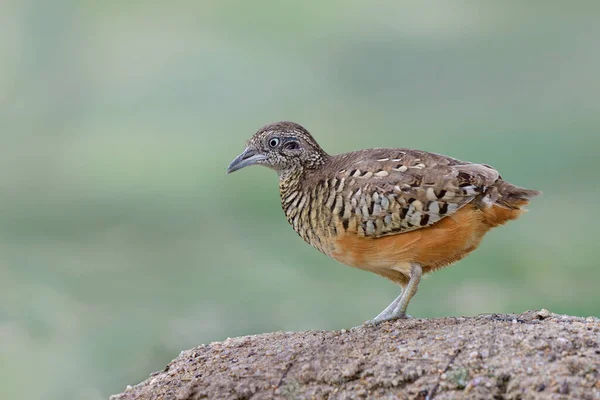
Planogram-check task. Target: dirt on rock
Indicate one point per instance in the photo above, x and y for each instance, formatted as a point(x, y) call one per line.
point(534, 355)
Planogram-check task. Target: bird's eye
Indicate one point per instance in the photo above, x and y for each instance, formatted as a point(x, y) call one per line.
point(274, 142)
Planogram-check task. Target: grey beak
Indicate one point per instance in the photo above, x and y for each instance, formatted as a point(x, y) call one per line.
point(247, 158)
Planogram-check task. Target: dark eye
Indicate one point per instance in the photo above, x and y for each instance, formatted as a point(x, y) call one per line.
point(274, 142)
point(291, 145)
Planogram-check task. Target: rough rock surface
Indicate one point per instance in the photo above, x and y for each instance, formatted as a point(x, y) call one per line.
point(534, 355)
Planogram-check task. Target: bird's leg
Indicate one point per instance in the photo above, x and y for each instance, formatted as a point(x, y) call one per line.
point(409, 291)
point(397, 309)
point(387, 313)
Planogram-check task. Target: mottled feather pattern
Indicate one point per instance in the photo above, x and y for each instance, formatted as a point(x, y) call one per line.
point(396, 212)
point(374, 193)
point(379, 192)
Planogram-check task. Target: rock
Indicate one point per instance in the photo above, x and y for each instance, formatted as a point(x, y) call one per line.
point(543, 314)
point(481, 357)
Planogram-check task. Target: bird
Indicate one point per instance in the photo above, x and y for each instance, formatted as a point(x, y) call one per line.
point(397, 212)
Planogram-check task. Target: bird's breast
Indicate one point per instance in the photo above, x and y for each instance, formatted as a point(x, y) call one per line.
point(308, 218)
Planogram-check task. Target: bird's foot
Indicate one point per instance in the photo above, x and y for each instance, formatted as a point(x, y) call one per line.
point(386, 317)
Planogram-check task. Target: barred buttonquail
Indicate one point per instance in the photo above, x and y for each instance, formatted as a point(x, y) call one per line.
point(396, 212)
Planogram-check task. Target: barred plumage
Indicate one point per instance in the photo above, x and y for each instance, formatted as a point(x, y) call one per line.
point(390, 211)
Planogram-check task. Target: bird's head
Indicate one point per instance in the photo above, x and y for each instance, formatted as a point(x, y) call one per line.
point(282, 146)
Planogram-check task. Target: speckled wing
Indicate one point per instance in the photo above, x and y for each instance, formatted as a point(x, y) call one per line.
point(391, 191)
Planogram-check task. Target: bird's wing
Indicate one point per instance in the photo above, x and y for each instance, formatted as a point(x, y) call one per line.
point(391, 191)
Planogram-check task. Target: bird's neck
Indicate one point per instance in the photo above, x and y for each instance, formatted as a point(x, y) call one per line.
point(296, 202)
point(293, 179)
point(300, 195)
point(290, 181)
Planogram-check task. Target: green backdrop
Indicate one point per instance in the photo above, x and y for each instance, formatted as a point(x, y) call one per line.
point(122, 242)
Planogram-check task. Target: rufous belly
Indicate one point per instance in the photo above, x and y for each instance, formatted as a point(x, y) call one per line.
point(432, 247)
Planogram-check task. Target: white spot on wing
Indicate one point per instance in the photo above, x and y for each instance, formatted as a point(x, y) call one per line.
point(385, 203)
point(370, 228)
point(469, 190)
point(431, 194)
point(376, 209)
point(434, 208)
point(365, 209)
point(417, 205)
point(415, 218)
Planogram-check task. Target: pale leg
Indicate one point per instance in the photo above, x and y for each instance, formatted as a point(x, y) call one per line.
point(397, 309)
point(387, 313)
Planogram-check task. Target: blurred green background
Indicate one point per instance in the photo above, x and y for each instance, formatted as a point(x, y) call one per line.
point(122, 240)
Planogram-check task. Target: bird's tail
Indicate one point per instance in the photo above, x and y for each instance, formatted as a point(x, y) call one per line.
point(504, 202)
point(513, 197)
